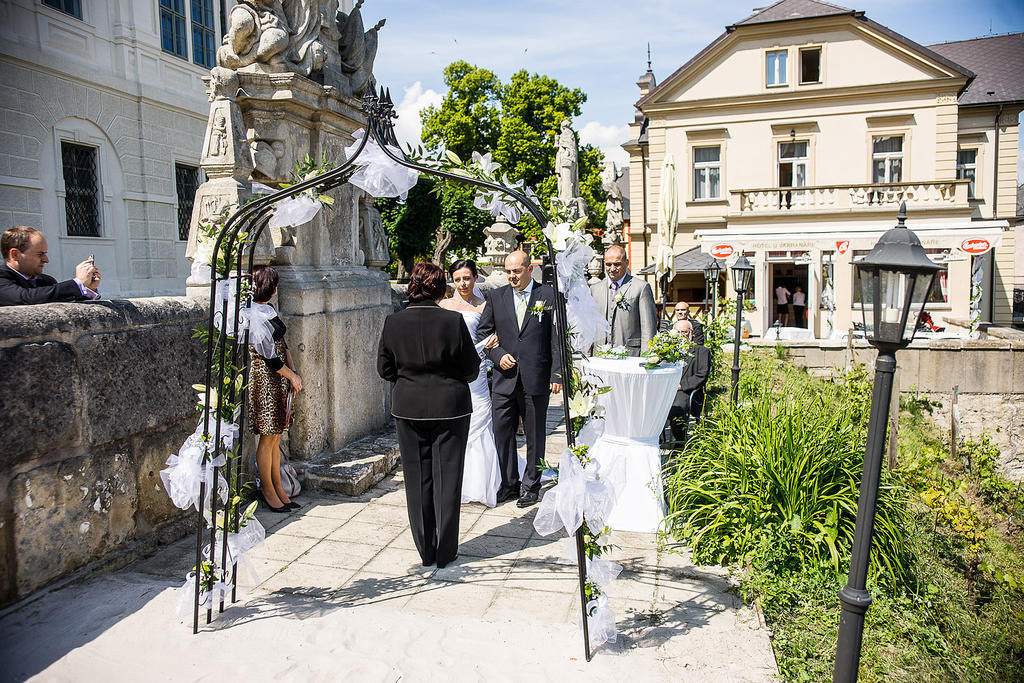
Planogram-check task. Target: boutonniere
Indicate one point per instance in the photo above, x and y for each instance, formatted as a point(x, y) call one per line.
point(620, 302)
point(538, 309)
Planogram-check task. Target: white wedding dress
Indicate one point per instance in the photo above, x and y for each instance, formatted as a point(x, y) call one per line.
point(481, 477)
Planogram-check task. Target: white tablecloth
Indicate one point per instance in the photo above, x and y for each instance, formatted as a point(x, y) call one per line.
point(635, 413)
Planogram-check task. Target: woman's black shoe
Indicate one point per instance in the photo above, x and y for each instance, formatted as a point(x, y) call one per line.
point(292, 505)
point(283, 508)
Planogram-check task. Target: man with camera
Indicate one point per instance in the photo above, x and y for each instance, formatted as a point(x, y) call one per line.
point(22, 280)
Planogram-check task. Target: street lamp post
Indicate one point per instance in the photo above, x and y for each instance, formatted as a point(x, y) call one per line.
point(894, 280)
point(742, 274)
point(711, 272)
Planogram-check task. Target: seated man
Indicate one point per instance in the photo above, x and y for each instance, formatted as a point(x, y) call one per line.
point(690, 396)
point(682, 312)
point(22, 280)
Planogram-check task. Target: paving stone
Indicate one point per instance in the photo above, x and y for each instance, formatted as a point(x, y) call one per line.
point(335, 510)
point(516, 527)
point(491, 546)
point(348, 555)
point(281, 547)
point(366, 589)
point(354, 469)
point(517, 603)
point(453, 599)
point(310, 527)
point(301, 577)
point(398, 562)
point(360, 532)
point(468, 569)
point(376, 513)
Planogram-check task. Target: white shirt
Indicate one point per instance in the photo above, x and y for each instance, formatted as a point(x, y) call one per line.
point(780, 294)
point(799, 298)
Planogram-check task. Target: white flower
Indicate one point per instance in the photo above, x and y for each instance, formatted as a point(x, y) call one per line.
point(559, 235)
point(581, 405)
point(204, 250)
point(201, 391)
point(484, 163)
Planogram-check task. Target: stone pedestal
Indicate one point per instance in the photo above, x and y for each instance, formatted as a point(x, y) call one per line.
point(333, 304)
point(499, 243)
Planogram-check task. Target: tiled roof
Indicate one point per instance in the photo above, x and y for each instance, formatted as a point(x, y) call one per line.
point(998, 64)
point(794, 9)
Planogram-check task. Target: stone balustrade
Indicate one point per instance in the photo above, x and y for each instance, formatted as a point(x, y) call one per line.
point(949, 194)
point(96, 396)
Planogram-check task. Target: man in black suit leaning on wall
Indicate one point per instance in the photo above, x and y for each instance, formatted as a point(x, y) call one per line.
point(21, 277)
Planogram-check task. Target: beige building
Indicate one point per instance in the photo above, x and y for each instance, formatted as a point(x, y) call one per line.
point(795, 136)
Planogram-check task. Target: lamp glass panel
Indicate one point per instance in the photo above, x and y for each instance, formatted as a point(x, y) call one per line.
point(865, 283)
point(896, 290)
point(922, 285)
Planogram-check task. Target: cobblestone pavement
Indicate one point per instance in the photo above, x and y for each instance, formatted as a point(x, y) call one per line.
point(341, 595)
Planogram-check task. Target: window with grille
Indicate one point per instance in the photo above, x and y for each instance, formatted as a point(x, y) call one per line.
point(203, 46)
point(967, 167)
point(81, 189)
point(172, 27)
point(887, 159)
point(186, 179)
point(72, 7)
point(707, 172)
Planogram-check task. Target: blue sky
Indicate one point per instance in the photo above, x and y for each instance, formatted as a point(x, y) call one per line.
point(601, 46)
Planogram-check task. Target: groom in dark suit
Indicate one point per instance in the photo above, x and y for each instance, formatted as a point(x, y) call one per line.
point(527, 371)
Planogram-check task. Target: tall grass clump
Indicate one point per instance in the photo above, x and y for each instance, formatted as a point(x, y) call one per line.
point(773, 482)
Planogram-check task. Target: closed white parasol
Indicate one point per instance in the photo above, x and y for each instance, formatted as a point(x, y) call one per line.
point(668, 216)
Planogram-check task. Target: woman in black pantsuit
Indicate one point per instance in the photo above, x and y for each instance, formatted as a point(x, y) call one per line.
point(428, 353)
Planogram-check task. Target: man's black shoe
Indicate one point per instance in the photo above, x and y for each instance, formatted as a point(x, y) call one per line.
point(509, 494)
point(527, 500)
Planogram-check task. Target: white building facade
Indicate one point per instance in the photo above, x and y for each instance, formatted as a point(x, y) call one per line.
point(102, 116)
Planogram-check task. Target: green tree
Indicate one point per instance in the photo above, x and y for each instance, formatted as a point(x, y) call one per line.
point(518, 122)
point(411, 224)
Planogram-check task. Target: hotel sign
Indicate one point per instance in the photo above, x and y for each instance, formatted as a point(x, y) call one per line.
point(722, 250)
point(975, 246)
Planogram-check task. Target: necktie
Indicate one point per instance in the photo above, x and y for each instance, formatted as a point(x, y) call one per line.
point(520, 306)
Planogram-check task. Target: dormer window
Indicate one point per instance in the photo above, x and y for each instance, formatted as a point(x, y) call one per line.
point(810, 65)
point(775, 68)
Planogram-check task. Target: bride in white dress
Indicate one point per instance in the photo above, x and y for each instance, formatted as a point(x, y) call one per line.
point(481, 477)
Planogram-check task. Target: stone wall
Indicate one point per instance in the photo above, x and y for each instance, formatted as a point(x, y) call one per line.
point(96, 396)
point(989, 373)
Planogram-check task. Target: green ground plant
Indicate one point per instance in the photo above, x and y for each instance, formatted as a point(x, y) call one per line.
point(947, 567)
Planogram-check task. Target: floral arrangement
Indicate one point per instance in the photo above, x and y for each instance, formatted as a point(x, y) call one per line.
point(620, 302)
point(539, 308)
point(609, 351)
point(667, 348)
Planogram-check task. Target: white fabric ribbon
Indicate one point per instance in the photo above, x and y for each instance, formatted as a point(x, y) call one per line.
point(295, 211)
point(579, 493)
point(261, 332)
point(378, 174)
point(600, 621)
point(225, 293)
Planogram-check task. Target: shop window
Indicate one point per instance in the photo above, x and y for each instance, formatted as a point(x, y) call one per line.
point(810, 65)
point(775, 68)
point(186, 179)
point(887, 159)
point(707, 172)
point(967, 168)
point(72, 7)
point(81, 189)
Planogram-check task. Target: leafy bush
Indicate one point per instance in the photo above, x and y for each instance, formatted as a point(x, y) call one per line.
point(774, 481)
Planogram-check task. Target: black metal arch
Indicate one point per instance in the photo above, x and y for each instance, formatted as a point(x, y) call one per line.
point(251, 220)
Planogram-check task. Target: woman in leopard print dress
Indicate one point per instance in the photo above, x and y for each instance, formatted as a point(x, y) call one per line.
point(272, 383)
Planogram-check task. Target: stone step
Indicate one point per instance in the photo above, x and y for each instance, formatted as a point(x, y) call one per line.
point(354, 469)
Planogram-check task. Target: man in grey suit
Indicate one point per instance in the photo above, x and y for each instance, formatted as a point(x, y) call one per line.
point(627, 303)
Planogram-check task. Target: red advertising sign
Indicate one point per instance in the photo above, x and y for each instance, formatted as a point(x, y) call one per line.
point(722, 250)
point(976, 246)
point(842, 246)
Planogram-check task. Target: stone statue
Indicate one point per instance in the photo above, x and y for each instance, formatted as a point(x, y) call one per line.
point(358, 49)
point(373, 240)
point(275, 36)
point(613, 206)
point(312, 25)
point(567, 162)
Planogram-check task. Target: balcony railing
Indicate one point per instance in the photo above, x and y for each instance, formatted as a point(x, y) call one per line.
point(946, 194)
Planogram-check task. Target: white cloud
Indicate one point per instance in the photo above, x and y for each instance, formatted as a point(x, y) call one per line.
point(608, 139)
point(407, 125)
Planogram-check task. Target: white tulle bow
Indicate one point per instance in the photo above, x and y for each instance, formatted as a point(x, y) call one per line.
point(378, 174)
